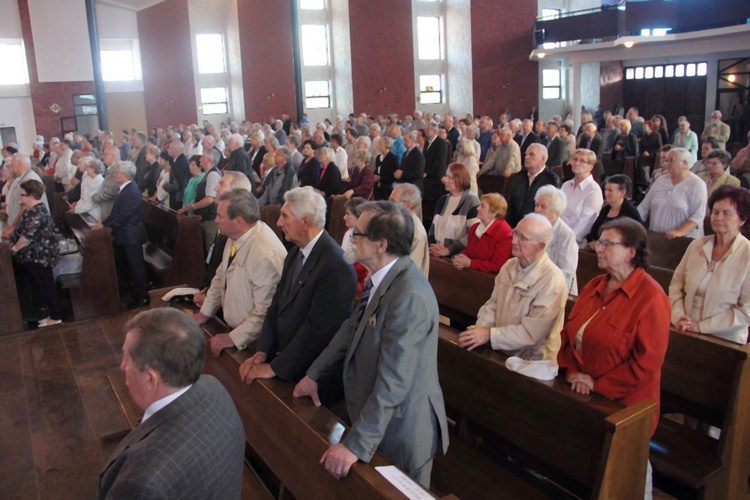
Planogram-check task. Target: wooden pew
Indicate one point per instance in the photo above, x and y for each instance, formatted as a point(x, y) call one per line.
point(706, 378)
point(94, 291)
point(612, 167)
point(335, 223)
point(666, 253)
point(460, 294)
point(588, 269)
point(494, 184)
point(290, 435)
point(175, 247)
point(590, 446)
point(10, 307)
point(270, 214)
point(433, 190)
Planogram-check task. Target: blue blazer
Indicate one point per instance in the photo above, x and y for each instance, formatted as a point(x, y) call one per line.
point(126, 218)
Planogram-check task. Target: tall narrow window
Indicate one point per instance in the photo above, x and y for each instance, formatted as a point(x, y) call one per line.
point(551, 88)
point(214, 100)
point(430, 89)
point(13, 56)
point(317, 94)
point(117, 65)
point(314, 44)
point(312, 4)
point(428, 38)
point(211, 58)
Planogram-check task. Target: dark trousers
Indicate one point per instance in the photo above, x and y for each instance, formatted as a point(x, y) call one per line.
point(130, 266)
point(43, 285)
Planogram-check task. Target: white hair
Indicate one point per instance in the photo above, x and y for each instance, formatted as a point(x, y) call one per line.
point(305, 201)
point(556, 196)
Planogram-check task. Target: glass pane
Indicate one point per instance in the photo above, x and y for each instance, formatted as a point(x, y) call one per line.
point(629, 74)
point(214, 94)
point(85, 110)
point(659, 72)
point(312, 4)
point(551, 78)
point(679, 70)
point(428, 37)
point(210, 50)
point(84, 99)
point(649, 72)
point(702, 69)
point(690, 70)
point(317, 89)
point(314, 44)
point(639, 72)
point(215, 109)
point(317, 102)
point(430, 97)
point(117, 65)
point(661, 31)
point(15, 71)
point(669, 71)
point(646, 32)
point(551, 93)
point(550, 13)
point(430, 83)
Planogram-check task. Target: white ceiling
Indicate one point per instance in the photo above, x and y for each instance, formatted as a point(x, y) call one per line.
point(134, 5)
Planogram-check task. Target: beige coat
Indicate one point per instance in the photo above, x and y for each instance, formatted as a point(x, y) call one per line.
point(726, 306)
point(525, 317)
point(245, 288)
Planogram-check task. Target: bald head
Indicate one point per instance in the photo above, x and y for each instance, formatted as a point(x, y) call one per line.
point(535, 159)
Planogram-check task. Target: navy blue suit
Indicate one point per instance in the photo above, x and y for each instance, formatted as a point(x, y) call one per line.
point(412, 167)
point(126, 221)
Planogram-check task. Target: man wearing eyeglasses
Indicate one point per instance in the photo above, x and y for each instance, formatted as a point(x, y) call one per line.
point(389, 351)
point(525, 314)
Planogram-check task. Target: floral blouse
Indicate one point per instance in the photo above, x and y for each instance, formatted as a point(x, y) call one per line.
point(36, 226)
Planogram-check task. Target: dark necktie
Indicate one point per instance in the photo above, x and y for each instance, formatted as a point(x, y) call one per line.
point(296, 267)
point(363, 299)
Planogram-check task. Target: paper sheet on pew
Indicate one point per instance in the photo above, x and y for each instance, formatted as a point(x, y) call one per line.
point(542, 369)
point(179, 291)
point(404, 483)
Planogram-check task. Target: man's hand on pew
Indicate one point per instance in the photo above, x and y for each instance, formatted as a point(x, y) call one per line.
point(338, 460)
point(307, 387)
point(473, 337)
point(256, 367)
point(199, 297)
point(580, 382)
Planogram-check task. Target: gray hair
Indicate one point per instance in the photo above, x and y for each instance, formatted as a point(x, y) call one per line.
point(388, 142)
point(126, 168)
point(242, 203)
point(412, 135)
point(214, 155)
point(273, 140)
point(409, 193)
point(26, 159)
point(238, 180)
point(286, 152)
point(390, 222)
point(684, 155)
point(546, 230)
point(92, 163)
point(556, 196)
point(305, 201)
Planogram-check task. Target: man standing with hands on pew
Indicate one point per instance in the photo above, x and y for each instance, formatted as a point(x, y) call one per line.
point(389, 350)
point(246, 280)
point(314, 296)
point(525, 314)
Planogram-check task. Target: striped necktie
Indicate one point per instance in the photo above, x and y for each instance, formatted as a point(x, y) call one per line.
point(364, 299)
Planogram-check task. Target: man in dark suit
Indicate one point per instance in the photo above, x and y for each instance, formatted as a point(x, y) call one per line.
point(435, 154)
point(412, 164)
point(526, 138)
point(389, 350)
point(314, 295)
point(140, 141)
point(126, 221)
point(555, 146)
point(453, 132)
point(525, 184)
point(190, 442)
point(590, 139)
point(179, 173)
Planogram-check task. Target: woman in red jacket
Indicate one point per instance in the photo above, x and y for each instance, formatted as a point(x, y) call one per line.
point(489, 242)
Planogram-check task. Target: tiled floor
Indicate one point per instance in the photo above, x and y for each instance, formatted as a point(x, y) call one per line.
point(55, 405)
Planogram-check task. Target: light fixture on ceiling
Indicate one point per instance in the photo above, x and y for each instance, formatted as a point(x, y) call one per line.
point(732, 78)
point(541, 55)
point(629, 44)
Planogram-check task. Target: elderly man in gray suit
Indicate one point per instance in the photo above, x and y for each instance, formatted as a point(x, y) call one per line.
point(190, 442)
point(389, 350)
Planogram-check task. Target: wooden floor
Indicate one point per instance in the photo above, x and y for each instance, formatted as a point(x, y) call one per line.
point(57, 408)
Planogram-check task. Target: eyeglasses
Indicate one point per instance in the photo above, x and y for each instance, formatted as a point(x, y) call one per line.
point(608, 243)
point(358, 234)
point(520, 236)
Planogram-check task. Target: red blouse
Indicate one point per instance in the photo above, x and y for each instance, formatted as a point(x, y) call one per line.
point(489, 253)
point(624, 345)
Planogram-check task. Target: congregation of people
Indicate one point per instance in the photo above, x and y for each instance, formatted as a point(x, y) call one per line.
point(357, 321)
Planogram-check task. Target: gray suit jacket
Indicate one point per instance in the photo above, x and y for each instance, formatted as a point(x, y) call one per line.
point(192, 448)
point(393, 395)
